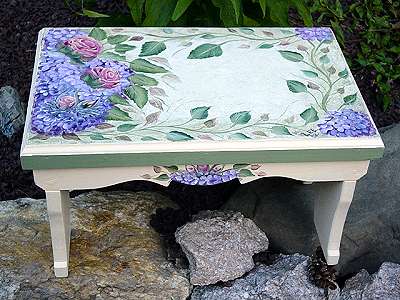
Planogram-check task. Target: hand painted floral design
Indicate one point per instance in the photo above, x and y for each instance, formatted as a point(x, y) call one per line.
point(318, 34)
point(347, 123)
point(106, 77)
point(65, 102)
point(85, 80)
point(86, 46)
point(204, 175)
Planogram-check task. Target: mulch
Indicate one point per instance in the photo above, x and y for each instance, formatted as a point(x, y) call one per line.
point(20, 22)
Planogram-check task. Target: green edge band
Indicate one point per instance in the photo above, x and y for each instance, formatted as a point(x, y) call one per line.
point(39, 162)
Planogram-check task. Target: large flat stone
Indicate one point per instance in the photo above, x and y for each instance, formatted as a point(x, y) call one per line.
point(220, 246)
point(283, 209)
point(114, 251)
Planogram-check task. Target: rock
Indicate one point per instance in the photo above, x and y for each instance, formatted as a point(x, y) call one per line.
point(114, 251)
point(283, 209)
point(12, 116)
point(385, 284)
point(220, 246)
point(286, 279)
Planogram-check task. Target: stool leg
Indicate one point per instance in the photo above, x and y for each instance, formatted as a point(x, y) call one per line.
point(330, 212)
point(58, 207)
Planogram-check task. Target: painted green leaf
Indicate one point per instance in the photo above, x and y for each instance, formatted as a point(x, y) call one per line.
point(122, 48)
point(309, 115)
point(98, 34)
point(116, 99)
point(123, 138)
point(208, 36)
point(152, 48)
point(180, 8)
point(287, 31)
point(116, 114)
point(90, 81)
point(240, 166)
point(113, 56)
point(97, 137)
point(343, 74)
point(310, 74)
point(239, 136)
point(126, 127)
point(168, 30)
point(178, 136)
point(246, 30)
point(245, 173)
point(291, 55)
point(280, 130)
point(118, 38)
point(171, 169)
point(141, 79)
point(138, 94)
point(205, 51)
point(324, 59)
point(75, 57)
point(241, 117)
point(162, 177)
point(200, 113)
point(70, 136)
point(296, 86)
point(265, 46)
point(142, 65)
point(148, 138)
point(350, 99)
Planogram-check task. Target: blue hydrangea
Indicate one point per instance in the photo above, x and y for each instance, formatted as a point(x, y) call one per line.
point(318, 34)
point(347, 123)
point(210, 177)
point(58, 77)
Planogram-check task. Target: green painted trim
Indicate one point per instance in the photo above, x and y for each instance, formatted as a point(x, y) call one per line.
point(39, 162)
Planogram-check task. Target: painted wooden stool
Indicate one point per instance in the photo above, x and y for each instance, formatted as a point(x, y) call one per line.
point(200, 106)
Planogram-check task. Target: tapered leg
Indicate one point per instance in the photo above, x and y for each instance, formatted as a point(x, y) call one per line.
point(330, 212)
point(58, 207)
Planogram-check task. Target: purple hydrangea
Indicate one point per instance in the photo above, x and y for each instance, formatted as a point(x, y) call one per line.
point(347, 123)
point(204, 175)
point(318, 34)
point(64, 101)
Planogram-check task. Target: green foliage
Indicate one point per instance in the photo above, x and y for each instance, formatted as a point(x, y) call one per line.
point(204, 12)
point(374, 28)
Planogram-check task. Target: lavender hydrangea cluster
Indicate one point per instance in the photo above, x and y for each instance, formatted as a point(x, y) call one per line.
point(318, 34)
point(347, 123)
point(65, 102)
point(204, 175)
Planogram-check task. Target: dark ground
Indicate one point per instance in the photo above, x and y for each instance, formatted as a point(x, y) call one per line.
point(20, 21)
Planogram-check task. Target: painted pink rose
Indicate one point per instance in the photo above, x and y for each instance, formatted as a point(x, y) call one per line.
point(66, 102)
point(107, 77)
point(86, 46)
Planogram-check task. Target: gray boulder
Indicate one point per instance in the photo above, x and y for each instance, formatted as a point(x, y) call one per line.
point(286, 279)
point(385, 284)
point(115, 253)
point(283, 209)
point(220, 246)
point(12, 116)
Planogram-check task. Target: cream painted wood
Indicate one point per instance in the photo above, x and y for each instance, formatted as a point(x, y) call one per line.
point(58, 207)
point(336, 181)
point(330, 212)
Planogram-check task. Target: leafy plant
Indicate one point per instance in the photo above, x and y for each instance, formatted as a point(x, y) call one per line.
point(202, 12)
point(375, 30)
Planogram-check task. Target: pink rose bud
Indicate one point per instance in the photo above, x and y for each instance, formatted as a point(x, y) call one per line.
point(66, 102)
point(86, 46)
point(108, 77)
point(203, 168)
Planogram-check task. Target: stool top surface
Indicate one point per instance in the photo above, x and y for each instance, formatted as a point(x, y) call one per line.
point(148, 90)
